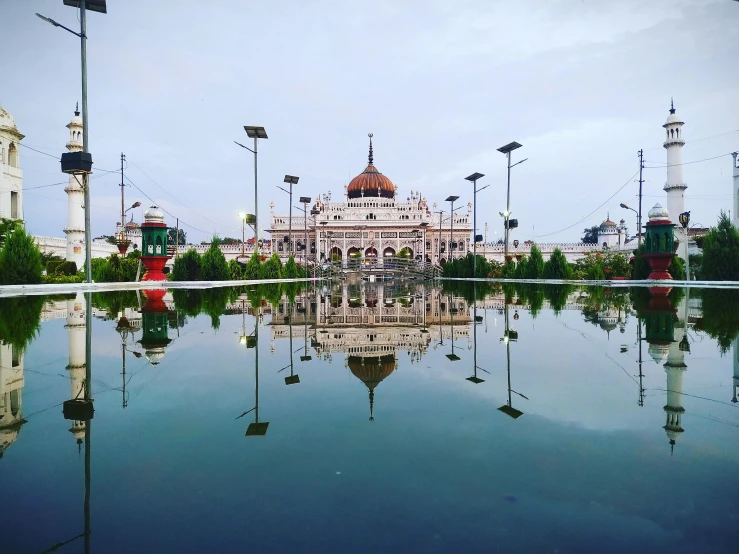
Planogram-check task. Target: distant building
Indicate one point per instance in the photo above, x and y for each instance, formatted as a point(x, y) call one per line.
point(11, 175)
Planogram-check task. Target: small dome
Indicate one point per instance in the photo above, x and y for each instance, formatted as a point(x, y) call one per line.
point(672, 434)
point(6, 120)
point(607, 223)
point(371, 183)
point(154, 215)
point(132, 225)
point(658, 212)
point(155, 355)
point(658, 352)
point(673, 118)
point(371, 370)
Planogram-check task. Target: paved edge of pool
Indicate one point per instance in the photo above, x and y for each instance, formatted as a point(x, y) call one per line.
point(606, 283)
point(66, 288)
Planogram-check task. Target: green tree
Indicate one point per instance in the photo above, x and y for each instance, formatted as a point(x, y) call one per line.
point(172, 236)
point(236, 270)
point(214, 265)
point(720, 320)
point(272, 268)
point(521, 269)
point(187, 267)
point(535, 265)
point(590, 235)
point(290, 271)
point(20, 259)
point(721, 252)
point(557, 267)
point(404, 253)
point(252, 268)
point(20, 321)
point(595, 273)
point(7, 226)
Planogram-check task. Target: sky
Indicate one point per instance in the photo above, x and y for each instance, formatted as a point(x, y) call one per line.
point(581, 84)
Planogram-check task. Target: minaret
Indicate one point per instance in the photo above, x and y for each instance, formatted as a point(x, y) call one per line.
point(75, 228)
point(735, 209)
point(675, 368)
point(76, 340)
point(675, 185)
point(735, 382)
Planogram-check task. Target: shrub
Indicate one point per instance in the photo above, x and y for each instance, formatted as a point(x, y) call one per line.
point(271, 269)
point(535, 265)
point(214, 265)
point(187, 267)
point(236, 270)
point(20, 259)
point(721, 252)
point(251, 270)
point(557, 267)
point(20, 321)
point(290, 271)
point(65, 268)
point(521, 268)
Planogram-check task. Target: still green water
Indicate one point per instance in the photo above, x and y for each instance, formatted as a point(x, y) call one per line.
point(365, 418)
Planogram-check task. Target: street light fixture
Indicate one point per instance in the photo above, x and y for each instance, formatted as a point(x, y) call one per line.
point(290, 180)
point(81, 162)
point(473, 179)
point(305, 200)
point(684, 219)
point(256, 133)
point(638, 222)
point(451, 199)
point(507, 149)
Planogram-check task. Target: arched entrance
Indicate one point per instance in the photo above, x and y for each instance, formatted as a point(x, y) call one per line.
point(388, 252)
point(371, 252)
point(353, 251)
point(336, 253)
point(442, 261)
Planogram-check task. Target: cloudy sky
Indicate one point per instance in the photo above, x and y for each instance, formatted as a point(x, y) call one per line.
point(582, 84)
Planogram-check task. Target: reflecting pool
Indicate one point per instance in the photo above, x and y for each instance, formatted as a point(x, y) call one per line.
point(371, 418)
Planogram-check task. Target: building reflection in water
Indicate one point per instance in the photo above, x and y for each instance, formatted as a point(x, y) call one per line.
point(11, 387)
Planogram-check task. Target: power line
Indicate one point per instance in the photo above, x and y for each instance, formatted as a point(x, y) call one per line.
point(699, 139)
point(685, 163)
point(587, 216)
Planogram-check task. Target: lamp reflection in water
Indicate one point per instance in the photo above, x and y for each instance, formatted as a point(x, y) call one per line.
point(256, 428)
point(292, 379)
point(476, 320)
point(125, 328)
point(452, 310)
point(510, 336)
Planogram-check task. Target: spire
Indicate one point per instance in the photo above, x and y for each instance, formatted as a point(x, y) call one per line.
point(672, 105)
point(77, 109)
point(372, 402)
point(370, 157)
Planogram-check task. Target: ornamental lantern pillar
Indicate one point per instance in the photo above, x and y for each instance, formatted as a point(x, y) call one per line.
point(154, 325)
point(659, 244)
point(154, 244)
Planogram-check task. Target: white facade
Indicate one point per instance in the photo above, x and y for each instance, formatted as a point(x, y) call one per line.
point(735, 191)
point(611, 236)
point(75, 229)
point(675, 185)
point(675, 369)
point(11, 386)
point(373, 221)
point(76, 329)
point(11, 176)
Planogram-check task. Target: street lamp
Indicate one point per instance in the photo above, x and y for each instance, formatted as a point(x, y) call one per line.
point(509, 336)
point(81, 162)
point(291, 180)
point(684, 219)
point(305, 200)
point(473, 179)
point(256, 133)
point(242, 217)
point(638, 222)
point(507, 149)
point(451, 199)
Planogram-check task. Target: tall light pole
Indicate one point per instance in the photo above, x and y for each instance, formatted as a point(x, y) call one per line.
point(638, 222)
point(305, 200)
point(451, 199)
point(684, 219)
point(256, 133)
point(290, 180)
point(507, 149)
point(242, 217)
point(81, 162)
point(473, 179)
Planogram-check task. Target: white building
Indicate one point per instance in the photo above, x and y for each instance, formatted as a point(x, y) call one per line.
point(75, 229)
point(11, 176)
point(675, 185)
point(11, 386)
point(372, 220)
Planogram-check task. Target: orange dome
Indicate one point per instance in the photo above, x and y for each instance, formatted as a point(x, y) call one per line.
point(371, 370)
point(371, 183)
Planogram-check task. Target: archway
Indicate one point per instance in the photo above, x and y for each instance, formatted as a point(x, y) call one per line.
point(371, 252)
point(336, 253)
point(442, 261)
point(388, 252)
point(352, 251)
point(12, 155)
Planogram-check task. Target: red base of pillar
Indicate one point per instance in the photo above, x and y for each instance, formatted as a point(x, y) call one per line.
point(660, 263)
point(154, 300)
point(154, 266)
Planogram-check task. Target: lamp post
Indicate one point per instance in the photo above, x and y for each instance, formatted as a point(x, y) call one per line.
point(256, 133)
point(684, 219)
point(638, 222)
point(507, 149)
point(305, 200)
point(76, 162)
point(509, 336)
point(451, 199)
point(473, 179)
point(242, 217)
point(291, 180)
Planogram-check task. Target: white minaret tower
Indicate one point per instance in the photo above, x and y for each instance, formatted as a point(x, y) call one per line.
point(76, 339)
point(675, 185)
point(735, 381)
point(735, 209)
point(75, 228)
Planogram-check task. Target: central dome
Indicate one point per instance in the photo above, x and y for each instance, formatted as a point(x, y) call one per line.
point(371, 183)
